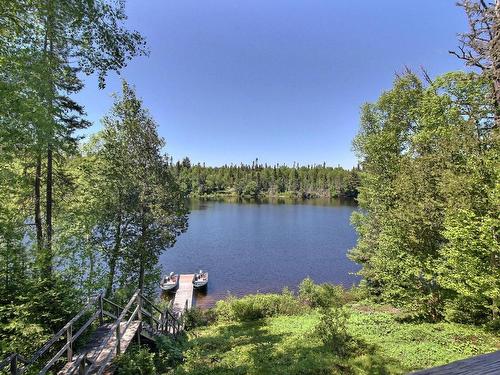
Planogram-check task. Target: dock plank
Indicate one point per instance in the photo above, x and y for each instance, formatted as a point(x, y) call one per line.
point(486, 364)
point(184, 293)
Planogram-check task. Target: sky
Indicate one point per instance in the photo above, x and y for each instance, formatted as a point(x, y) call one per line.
point(279, 80)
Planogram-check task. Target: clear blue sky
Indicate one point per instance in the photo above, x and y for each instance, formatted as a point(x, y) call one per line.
point(281, 80)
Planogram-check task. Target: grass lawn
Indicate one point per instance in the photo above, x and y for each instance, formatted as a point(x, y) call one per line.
point(286, 345)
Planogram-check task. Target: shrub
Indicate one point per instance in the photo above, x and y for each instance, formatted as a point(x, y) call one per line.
point(494, 325)
point(357, 293)
point(465, 310)
point(257, 306)
point(332, 330)
point(198, 317)
point(323, 295)
point(136, 361)
point(169, 354)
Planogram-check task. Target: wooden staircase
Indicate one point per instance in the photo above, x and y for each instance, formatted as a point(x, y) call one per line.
point(117, 327)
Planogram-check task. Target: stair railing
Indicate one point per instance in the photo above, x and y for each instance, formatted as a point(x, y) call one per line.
point(18, 364)
point(165, 322)
point(115, 332)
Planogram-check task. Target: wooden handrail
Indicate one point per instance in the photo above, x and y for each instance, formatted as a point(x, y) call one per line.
point(40, 352)
point(151, 303)
point(151, 316)
point(113, 330)
point(69, 343)
point(58, 335)
point(111, 302)
point(166, 323)
point(12, 361)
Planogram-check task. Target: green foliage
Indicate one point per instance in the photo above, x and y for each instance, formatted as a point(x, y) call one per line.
point(142, 360)
point(198, 317)
point(380, 344)
point(141, 209)
point(257, 306)
point(429, 197)
point(323, 295)
point(470, 262)
point(332, 330)
point(168, 353)
point(136, 361)
point(41, 310)
point(48, 259)
point(416, 345)
point(259, 180)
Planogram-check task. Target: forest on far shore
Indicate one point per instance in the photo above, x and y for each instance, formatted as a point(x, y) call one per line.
point(256, 180)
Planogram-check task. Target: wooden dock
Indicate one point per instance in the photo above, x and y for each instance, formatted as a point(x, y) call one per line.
point(486, 364)
point(183, 299)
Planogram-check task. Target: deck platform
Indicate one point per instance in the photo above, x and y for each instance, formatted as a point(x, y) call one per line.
point(486, 364)
point(184, 295)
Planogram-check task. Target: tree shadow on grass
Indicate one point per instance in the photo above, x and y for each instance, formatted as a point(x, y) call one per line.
point(251, 348)
point(229, 350)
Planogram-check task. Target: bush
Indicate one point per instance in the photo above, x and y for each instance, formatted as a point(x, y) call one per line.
point(332, 330)
point(494, 325)
point(136, 361)
point(198, 318)
point(465, 311)
point(257, 306)
point(323, 295)
point(169, 354)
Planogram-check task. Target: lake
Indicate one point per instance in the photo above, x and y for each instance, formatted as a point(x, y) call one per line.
point(250, 247)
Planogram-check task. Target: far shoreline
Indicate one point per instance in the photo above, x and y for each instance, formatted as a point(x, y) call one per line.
point(288, 195)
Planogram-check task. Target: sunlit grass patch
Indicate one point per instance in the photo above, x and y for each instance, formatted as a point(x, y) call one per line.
point(287, 345)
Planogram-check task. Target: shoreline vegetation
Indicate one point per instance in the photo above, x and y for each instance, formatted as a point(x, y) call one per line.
point(232, 195)
point(322, 329)
point(266, 181)
point(82, 218)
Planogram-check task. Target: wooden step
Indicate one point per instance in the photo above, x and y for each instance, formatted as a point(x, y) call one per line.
point(100, 345)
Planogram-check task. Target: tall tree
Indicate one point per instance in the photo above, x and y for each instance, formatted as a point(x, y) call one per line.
point(146, 202)
point(54, 40)
point(480, 46)
point(428, 156)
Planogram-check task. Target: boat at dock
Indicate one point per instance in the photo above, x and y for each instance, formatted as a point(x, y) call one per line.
point(200, 279)
point(170, 282)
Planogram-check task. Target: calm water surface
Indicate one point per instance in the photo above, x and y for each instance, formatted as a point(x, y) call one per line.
point(263, 247)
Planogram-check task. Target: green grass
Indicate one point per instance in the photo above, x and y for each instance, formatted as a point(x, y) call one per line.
point(421, 345)
point(286, 345)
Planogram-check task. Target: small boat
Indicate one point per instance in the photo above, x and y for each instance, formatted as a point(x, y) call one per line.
point(200, 279)
point(170, 282)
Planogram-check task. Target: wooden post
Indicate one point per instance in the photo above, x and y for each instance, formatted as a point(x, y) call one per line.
point(139, 302)
point(118, 340)
point(83, 364)
point(162, 322)
point(69, 340)
point(139, 316)
point(101, 308)
point(13, 365)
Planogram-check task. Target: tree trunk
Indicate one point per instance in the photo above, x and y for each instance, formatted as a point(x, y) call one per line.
point(38, 214)
point(48, 214)
point(141, 274)
point(90, 283)
point(114, 258)
point(142, 250)
point(495, 61)
point(50, 102)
